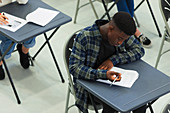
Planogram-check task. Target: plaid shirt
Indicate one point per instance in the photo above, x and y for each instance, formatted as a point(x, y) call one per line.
point(84, 55)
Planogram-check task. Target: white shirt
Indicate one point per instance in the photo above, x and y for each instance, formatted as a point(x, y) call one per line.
point(5, 2)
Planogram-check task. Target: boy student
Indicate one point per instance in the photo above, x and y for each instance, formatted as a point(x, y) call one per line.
point(128, 6)
point(97, 48)
point(23, 48)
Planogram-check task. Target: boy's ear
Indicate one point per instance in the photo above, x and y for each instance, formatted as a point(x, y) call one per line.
point(111, 27)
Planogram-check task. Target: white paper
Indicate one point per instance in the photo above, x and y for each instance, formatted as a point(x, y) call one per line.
point(14, 23)
point(127, 80)
point(41, 16)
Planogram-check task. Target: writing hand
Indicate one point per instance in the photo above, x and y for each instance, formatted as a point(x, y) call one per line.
point(111, 75)
point(106, 65)
point(3, 19)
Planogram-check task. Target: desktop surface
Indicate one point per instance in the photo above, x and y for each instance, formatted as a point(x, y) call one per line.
point(150, 85)
point(30, 29)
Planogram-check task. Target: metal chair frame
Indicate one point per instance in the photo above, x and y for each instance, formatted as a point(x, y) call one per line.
point(78, 7)
point(71, 90)
point(164, 6)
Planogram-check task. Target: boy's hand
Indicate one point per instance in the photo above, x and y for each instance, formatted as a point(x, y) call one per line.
point(3, 19)
point(106, 65)
point(111, 75)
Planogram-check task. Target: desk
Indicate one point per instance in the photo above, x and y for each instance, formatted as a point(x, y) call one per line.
point(150, 85)
point(31, 30)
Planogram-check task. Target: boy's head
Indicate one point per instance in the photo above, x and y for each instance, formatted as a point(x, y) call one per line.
point(121, 27)
point(125, 23)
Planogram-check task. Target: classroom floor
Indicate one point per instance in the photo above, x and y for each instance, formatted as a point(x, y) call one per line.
point(40, 88)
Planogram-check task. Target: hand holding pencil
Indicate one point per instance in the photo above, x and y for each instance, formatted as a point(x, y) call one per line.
point(3, 19)
point(113, 76)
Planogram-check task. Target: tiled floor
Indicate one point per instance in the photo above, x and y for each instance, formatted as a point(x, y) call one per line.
point(40, 88)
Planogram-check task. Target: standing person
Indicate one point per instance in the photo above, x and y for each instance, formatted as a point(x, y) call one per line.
point(23, 48)
point(128, 6)
point(97, 48)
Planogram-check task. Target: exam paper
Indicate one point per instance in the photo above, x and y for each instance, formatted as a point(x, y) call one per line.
point(14, 23)
point(41, 16)
point(128, 77)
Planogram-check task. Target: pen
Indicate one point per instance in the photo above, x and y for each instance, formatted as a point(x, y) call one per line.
point(113, 81)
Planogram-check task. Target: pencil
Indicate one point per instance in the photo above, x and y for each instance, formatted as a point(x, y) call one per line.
point(113, 81)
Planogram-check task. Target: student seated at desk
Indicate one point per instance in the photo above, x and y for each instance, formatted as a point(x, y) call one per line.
point(97, 48)
point(128, 6)
point(23, 49)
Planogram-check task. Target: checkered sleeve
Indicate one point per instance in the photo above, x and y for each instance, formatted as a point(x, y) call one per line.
point(131, 50)
point(79, 58)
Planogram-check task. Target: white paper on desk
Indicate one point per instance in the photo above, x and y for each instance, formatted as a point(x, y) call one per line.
point(14, 23)
point(41, 16)
point(127, 80)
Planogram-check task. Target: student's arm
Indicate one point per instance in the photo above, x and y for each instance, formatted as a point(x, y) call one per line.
point(78, 61)
point(131, 51)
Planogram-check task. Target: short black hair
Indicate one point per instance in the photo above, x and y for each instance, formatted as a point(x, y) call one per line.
point(125, 22)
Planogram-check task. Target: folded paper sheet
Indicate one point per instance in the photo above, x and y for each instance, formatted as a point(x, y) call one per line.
point(127, 80)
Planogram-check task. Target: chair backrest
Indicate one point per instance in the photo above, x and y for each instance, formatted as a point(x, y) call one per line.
point(165, 8)
point(67, 52)
point(165, 12)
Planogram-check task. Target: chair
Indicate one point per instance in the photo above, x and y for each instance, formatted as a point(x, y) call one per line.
point(71, 90)
point(166, 108)
point(165, 12)
point(78, 7)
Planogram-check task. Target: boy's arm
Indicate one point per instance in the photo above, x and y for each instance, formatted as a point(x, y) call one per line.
point(78, 60)
point(133, 51)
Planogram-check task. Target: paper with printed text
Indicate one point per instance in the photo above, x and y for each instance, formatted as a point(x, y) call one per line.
point(128, 77)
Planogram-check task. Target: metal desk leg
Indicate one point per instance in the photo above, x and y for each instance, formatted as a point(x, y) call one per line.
point(107, 10)
point(9, 76)
point(47, 42)
point(54, 58)
point(93, 103)
point(12, 84)
point(160, 35)
point(137, 23)
point(150, 107)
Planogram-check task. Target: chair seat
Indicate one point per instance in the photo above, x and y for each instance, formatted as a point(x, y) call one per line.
point(166, 108)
